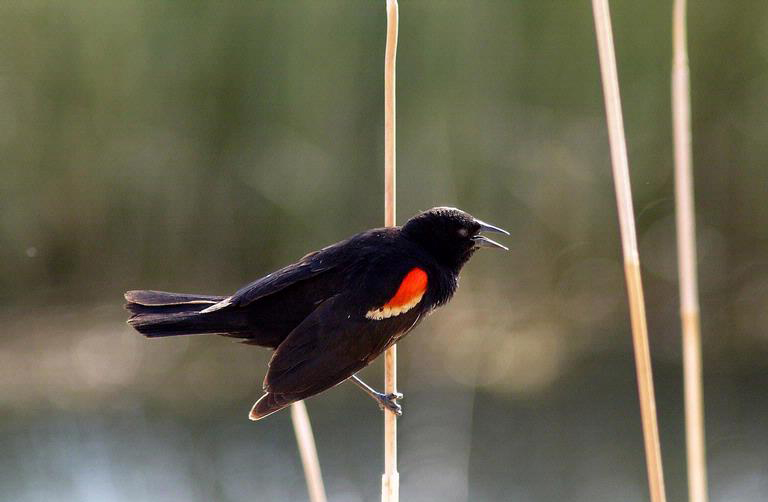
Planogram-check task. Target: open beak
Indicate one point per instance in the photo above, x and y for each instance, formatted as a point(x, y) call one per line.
point(482, 241)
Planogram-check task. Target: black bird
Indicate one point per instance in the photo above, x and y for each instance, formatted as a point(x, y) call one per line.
point(330, 314)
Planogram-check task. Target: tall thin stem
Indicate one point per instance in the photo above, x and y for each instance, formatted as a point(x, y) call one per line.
point(390, 480)
point(308, 451)
point(686, 256)
point(623, 189)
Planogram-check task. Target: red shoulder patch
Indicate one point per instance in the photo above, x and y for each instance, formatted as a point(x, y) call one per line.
point(410, 292)
point(414, 285)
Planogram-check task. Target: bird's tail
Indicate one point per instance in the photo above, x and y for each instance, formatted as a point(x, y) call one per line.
point(157, 313)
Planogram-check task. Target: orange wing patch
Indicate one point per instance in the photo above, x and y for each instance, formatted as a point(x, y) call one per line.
point(408, 295)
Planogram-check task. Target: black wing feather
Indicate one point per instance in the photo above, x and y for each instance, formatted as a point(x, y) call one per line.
point(310, 266)
point(324, 350)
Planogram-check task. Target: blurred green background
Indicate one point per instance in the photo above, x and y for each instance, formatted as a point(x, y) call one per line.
point(195, 146)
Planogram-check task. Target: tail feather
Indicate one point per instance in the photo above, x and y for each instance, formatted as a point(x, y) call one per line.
point(157, 313)
point(149, 298)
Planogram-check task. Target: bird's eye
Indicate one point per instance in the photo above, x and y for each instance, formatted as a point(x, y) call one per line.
point(463, 232)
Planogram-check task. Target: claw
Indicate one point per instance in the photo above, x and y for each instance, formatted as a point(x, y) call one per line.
point(389, 402)
point(385, 401)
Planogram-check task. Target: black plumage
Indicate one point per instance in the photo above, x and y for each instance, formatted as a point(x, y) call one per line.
point(334, 311)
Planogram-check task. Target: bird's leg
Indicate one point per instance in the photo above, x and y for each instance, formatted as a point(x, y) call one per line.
point(388, 401)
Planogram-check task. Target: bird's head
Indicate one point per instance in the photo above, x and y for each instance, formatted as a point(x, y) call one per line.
point(450, 235)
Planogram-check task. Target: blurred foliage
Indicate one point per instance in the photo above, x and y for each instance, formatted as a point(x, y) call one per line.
point(190, 145)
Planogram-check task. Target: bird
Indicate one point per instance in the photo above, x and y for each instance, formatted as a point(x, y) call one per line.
point(330, 314)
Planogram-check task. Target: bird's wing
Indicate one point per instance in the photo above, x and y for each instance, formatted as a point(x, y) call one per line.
point(308, 267)
point(338, 339)
point(325, 349)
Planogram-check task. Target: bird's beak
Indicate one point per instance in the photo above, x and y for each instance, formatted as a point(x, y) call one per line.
point(487, 227)
point(482, 241)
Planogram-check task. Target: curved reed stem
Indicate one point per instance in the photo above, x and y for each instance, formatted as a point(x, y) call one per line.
point(623, 189)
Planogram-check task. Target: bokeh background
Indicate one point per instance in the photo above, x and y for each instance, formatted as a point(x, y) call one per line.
point(194, 146)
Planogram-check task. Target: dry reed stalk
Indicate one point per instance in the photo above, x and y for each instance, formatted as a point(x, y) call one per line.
point(390, 480)
point(308, 451)
point(686, 256)
point(620, 165)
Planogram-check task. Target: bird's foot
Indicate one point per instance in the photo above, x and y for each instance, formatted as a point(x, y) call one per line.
point(385, 401)
point(389, 402)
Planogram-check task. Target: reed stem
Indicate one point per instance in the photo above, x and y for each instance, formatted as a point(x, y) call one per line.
point(620, 164)
point(686, 256)
point(390, 480)
point(308, 452)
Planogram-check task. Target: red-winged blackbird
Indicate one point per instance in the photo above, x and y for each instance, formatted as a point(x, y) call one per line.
point(335, 310)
